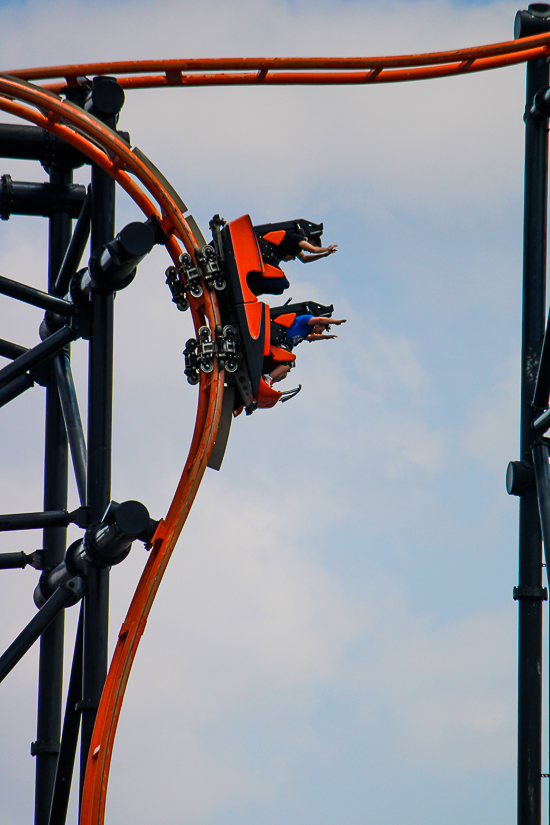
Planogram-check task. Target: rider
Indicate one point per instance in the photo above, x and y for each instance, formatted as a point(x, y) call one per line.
point(304, 328)
point(285, 242)
point(311, 328)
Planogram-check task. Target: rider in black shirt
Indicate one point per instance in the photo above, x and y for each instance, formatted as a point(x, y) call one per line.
point(286, 243)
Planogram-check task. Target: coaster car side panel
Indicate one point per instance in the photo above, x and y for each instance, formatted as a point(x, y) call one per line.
point(242, 258)
point(254, 316)
point(253, 347)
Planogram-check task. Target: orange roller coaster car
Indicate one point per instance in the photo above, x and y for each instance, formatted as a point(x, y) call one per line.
point(242, 342)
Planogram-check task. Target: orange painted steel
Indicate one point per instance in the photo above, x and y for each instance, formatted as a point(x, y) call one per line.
point(324, 78)
point(103, 146)
point(301, 70)
point(99, 759)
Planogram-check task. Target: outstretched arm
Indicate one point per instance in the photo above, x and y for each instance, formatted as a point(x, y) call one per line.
point(318, 251)
point(321, 321)
point(316, 336)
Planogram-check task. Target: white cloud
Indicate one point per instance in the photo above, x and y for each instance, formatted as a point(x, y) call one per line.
point(494, 422)
point(450, 685)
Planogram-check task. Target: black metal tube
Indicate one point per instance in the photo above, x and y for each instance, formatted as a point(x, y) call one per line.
point(41, 199)
point(542, 475)
point(19, 385)
point(529, 590)
point(542, 388)
point(100, 400)
point(35, 297)
point(9, 350)
point(76, 248)
point(13, 561)
point(542, 423)
point(35, 628)
point(15, 388)
point(73, 423)
point(33, 143)
point(69, 736)
point(34, 521)
point(33, 357)
point(56, 457)
point(114, 267)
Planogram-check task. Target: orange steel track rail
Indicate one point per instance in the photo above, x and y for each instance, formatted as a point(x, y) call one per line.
point(103, 146)
point(296, 70)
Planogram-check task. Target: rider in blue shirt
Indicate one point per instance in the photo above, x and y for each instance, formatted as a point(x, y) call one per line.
point(303, 328)
point(310, 328)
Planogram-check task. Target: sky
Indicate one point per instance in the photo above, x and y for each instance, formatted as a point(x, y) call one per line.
point(335, 638)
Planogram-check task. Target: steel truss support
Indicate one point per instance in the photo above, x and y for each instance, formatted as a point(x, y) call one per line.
point(48, 363)
point(77, 304)
point(37, 628)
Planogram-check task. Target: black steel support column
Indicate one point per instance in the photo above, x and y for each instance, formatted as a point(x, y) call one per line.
point(529, 591)
point(100, 396)
point(50, 679)
point(69, 738)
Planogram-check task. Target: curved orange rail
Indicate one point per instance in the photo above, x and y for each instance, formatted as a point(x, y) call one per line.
point(297, 70)
point(104, 147)
point(99, 758)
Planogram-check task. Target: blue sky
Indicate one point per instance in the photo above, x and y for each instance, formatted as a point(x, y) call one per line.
point(335, 639)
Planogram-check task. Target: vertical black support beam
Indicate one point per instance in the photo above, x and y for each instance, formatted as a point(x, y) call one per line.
point(530, 539)
point(69, 738)
point(106, 101)
point(529, 594)
point(50, 679)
